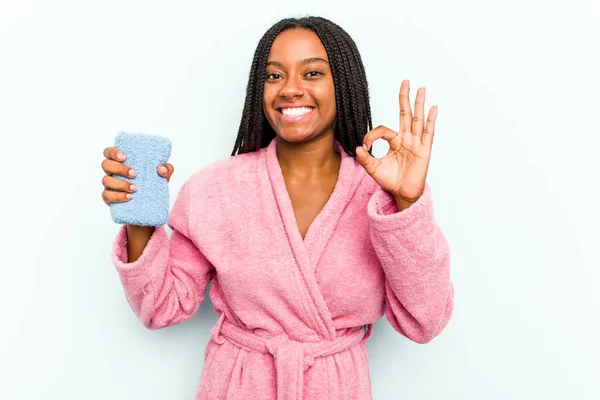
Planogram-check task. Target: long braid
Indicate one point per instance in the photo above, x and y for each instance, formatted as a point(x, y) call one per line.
point(353, 115)
point(346, 119)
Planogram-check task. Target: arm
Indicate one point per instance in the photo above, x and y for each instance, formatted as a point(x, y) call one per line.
point(415, 257)
point(167, 282)
point(137, 239)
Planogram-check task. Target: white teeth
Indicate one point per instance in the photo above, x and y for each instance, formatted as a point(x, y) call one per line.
point(295, 112)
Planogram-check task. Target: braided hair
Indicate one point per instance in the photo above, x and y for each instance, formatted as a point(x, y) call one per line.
point(353, 115)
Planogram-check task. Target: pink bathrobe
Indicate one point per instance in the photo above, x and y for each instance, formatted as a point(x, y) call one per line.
point(294, 313)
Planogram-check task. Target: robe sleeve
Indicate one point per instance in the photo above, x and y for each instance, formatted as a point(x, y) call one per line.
point(415, 257)
point(167, 283)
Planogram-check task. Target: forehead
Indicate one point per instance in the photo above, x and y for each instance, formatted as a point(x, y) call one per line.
point(297, 44)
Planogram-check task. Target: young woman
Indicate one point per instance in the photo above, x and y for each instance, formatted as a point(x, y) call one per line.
point(307, 237)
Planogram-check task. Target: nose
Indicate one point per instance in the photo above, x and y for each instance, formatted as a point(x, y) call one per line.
point(292, 88)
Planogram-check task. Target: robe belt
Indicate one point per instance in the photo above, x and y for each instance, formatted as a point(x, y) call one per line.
point(292, 358)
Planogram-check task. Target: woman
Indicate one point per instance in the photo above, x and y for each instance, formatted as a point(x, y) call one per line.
point(307, 237)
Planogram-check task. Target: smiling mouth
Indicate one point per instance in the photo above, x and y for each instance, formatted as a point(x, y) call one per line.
point(295, 112)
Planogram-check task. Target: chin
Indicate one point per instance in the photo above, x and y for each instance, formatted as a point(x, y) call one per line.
point(295, 137)
point(298, 135)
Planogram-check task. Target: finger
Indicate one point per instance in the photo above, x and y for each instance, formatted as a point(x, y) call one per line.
point(417, 123)
point(405, 111)
point(166, 170)
point(110, 196)
point(427, 138)
point(111, 167)
point(385, 133)
point(112, 153)
point(121, 185)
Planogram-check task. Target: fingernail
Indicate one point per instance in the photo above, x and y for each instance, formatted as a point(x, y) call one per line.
point(365, 147)
point(131, 172)
point(129, 195)
point(133, 188)
point(162, 169)
point(121, 156)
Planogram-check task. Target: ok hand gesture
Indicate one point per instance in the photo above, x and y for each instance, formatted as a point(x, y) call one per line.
point(403, 170)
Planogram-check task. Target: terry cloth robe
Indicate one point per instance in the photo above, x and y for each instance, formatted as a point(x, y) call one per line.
point(294, 313)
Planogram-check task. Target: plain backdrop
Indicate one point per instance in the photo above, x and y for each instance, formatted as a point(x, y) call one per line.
point(514, 174)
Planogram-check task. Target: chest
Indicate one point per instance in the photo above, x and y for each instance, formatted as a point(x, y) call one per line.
point(268, 261)
point(308, 199)
point(338, 270)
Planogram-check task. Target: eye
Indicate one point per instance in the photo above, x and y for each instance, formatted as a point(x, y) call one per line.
point(313, 74)
point(273, 77)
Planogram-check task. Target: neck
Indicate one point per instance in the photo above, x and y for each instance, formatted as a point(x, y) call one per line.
point(310, 160)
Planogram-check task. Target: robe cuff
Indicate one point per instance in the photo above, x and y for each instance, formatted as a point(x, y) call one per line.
point(384, 215)
point(141, 266)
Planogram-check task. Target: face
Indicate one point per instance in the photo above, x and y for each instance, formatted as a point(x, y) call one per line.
point(299, 95)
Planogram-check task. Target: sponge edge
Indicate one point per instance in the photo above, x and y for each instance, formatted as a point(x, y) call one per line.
point(150, 203)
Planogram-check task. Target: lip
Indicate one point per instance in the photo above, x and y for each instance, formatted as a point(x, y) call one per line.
point(288, 119)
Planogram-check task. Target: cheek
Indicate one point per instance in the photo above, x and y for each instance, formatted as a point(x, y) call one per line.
point(328, 97)
point(268, 97)
point(333, 105)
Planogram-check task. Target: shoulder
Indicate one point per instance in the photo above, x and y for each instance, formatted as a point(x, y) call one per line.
point(367, 185)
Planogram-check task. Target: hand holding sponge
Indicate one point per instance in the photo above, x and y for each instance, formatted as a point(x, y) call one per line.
point(150, 203)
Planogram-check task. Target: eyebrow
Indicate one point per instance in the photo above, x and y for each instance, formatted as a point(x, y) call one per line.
point(303, 62)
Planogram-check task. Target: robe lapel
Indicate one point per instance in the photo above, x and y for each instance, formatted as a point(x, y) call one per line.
point(307, 252)
point(320, 231)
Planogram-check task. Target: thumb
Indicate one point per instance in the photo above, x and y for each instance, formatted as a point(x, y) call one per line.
point(166, 170)
point(368, 162)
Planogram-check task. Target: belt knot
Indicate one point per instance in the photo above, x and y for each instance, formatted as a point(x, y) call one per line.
point(281, 346)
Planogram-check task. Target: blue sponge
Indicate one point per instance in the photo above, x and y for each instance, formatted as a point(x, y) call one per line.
point(150, 203)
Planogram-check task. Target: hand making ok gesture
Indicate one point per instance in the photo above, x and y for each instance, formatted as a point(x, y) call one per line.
point(403, 170)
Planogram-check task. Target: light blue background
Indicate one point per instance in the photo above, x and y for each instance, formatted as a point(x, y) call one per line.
point(514, 177)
